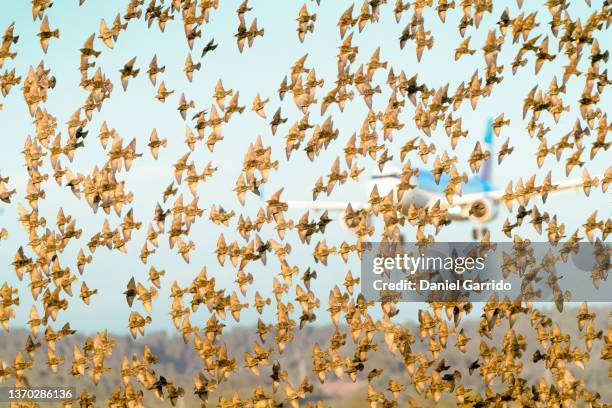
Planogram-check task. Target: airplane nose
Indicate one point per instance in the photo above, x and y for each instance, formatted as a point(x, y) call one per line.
point(407, 198)
point(413, 197)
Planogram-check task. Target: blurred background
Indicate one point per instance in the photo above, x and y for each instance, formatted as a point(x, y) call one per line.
point(260, 69)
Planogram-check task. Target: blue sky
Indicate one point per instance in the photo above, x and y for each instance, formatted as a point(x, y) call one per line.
point(259, 69)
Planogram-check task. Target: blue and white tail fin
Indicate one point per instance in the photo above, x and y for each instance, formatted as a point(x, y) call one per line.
point(487, 170)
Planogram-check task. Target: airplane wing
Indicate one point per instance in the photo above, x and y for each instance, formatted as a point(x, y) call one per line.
point(567, 185)
point(324, 205)
point(560, 186)
point(480, 207)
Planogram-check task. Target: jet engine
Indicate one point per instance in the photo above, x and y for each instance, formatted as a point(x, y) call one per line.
point(481, 211)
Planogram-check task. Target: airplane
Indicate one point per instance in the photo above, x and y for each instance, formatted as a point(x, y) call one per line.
point(478, 202)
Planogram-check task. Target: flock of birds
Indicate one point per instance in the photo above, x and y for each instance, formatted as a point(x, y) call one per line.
point(49, 153)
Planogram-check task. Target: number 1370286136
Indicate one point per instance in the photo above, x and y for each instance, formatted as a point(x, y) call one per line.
point(36, 394)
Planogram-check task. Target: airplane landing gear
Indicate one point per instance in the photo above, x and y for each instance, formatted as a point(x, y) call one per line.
point(478, 232)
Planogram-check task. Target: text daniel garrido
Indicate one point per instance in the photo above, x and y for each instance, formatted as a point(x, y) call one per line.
point(412, 264)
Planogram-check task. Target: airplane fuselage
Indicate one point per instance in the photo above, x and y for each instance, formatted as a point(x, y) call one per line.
point(428, 192)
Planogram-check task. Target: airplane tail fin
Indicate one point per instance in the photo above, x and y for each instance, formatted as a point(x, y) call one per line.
point(487, 170)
